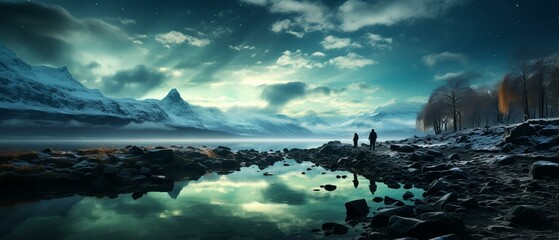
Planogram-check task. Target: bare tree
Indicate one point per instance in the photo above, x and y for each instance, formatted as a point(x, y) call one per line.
point(453, 93)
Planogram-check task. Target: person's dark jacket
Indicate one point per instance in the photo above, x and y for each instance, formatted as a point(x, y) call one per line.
point(355, 137)
point(373, 136)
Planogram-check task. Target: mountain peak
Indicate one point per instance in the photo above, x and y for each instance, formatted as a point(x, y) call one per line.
point(6, 53)
point(173, 95)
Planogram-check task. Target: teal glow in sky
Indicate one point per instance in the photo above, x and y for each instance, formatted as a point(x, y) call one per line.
point(340, 57)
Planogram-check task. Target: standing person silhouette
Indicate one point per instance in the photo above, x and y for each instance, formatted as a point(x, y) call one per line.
point(372, 139)
point(355, 139)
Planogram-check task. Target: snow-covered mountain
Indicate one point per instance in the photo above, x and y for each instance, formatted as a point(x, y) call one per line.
point(43, 98)
point(40, 100)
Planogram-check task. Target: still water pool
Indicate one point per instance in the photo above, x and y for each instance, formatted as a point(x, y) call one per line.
point(241, 205)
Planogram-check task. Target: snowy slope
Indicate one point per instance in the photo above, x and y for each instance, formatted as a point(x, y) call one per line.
point(41, 96)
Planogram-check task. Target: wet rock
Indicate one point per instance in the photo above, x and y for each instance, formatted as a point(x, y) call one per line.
point(437, 167)
point(523, 129)
point(525, 215)
point(437, 186)
point(47, 151)
point(444, 200)
point(505, 160)
point(435, 153)
point(548, 132)
point(268, 174)
point(408, 195)
point(230, 164)
point(379, 199)
point(137, 151)
point(330, 187)
point(356, 208)
point(161, 155)
point(437, 224)
point(402, 148)
point(388, 200)
point(334, 228)
point(222, 151)
point(454, 156)
point(400, 226)
point(508, 147)
point(194, 168)
point(544, 169)
point(391, 183)
point(408, 186)
point(381, 217)
point(137, 195)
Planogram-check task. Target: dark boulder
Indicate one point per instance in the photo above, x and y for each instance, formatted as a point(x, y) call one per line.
point(381, 217)
point(330, 187)
point(402, 148)
point(526, 215)
point(436, 224)
point(161, 155)
point(195, 168)
point(137, 151)
point(400, 226)
point(356, 209)
point(543, 169)
point(389, 201)
point(334, 228)
point(222, 151)
point(508, 147)
point(446, 199)
point(230, 164)
point(407, 195)
point(47, 151)
point(521, 130)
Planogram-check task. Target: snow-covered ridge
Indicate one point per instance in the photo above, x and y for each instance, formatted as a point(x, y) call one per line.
point(45, 96)
point(36, 94)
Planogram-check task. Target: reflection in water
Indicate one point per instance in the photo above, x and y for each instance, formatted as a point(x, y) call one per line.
point(241, 205)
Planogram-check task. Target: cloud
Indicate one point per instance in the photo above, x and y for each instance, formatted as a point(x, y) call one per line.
point(321, 90)
point(379, 42)
point(301, 16)
point(241, 47)
point(331, 42)
point(48, 34)
point(277, 95)
point(297, 59)
point(177, 38)
point(365, 87)
point(462, 75)
point(256, 2)
point(356, 14)
point(318, 54)
point(436, 58)
point(134, 82)
point(351, 61)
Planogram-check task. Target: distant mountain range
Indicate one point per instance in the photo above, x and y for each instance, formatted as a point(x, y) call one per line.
point(45, 101)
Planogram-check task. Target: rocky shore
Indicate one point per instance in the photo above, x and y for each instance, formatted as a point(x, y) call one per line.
point(486, 183)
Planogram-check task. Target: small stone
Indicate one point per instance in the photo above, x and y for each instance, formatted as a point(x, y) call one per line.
point(407, 195)
point(330, 187)
point(379, 199)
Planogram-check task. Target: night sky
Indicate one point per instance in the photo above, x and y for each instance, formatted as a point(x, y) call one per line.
point(335, 57)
